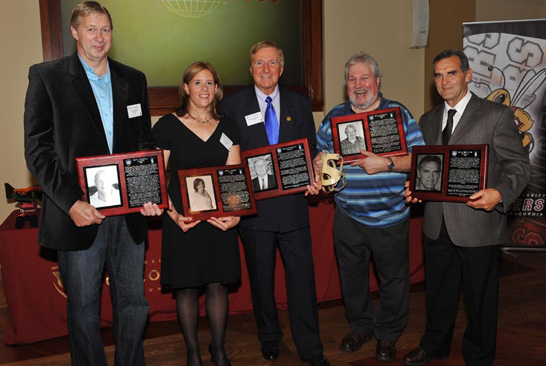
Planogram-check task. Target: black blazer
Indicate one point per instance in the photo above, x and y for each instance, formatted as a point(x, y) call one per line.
point(271, 183)
point(285, 213)
point(62, 122)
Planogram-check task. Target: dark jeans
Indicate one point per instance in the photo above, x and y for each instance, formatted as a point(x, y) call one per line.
point(356, 245)
point(82, 273)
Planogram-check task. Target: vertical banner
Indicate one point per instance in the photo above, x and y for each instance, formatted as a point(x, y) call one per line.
point(508, 60)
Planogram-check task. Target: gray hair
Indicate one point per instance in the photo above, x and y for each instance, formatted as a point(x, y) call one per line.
point(363, 58)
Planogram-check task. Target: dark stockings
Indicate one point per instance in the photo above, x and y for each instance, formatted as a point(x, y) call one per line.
point(187, 306)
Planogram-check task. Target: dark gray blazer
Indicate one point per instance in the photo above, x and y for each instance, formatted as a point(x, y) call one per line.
point(62, 122)
point(483, 122)
point(285, 213)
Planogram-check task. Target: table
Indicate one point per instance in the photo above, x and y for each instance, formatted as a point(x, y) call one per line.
point(37, 303)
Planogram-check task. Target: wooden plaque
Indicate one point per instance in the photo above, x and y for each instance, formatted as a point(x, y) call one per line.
point(119, 184)
point(279, 170)
point(217, 192)
point(380, 132)
point(449, 173)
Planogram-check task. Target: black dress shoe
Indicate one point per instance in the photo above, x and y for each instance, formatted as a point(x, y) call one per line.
point(270, 350)
point(385, 350)
point(353, 342)
point(417, 357)
point(319, 360)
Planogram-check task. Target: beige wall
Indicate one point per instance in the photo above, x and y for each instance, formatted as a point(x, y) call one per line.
point(21, 46)
point(383, 29)
point(488, 10)
point(445, 31)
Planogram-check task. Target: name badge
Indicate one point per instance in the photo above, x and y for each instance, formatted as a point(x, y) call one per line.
point(254, 118)
point(134, 110)
point(226, 141)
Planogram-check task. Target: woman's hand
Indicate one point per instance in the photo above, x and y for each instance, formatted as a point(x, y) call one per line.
point(224, 223)
point(185, 223)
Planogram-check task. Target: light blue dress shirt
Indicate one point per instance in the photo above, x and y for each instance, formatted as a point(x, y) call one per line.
point(102, 89)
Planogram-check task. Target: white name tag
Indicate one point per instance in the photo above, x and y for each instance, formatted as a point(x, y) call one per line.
point(226, 141)
point(254, 118)
point(134, 110)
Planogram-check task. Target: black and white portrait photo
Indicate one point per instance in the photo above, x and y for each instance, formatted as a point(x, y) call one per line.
point(429, 173)
point(103, 186)
point(262, 173)
point(351, 138)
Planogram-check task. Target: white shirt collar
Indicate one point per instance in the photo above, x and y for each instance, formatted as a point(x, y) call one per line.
point(459, 107)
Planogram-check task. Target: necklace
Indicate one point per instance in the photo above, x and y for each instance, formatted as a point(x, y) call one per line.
point(198, 121)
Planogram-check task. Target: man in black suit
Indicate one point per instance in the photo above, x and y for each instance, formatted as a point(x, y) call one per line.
point(87, 105)
point(460, 241)
point(282, 221)
point(263, 180)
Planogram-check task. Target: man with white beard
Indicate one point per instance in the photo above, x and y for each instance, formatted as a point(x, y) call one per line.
point(371, 219)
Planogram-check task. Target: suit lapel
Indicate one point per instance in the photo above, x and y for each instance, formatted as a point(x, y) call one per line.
point(83, 90)
point(285, 117)
point(435, 127)
point(120, 90)
point(466, 120)
point(251, 106)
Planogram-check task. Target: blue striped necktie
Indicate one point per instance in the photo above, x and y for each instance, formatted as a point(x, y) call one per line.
point(271, 123)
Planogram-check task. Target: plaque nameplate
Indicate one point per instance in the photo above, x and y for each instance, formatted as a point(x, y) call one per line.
point(449, 173)
point(217, 192)
point(380, 132)
point(119, 184)
point(279, 170)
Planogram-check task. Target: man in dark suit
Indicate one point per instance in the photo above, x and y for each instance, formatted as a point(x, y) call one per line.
point(263, 180)
point(88, 105)
point(282, 221)
point(461, 239)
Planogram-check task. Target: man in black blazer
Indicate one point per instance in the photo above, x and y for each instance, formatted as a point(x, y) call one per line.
point(282, 221)
point(263, 180)
point(87, 105)
point(461, 239)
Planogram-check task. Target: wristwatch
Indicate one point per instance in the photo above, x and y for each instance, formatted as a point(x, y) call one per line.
point(391, 164)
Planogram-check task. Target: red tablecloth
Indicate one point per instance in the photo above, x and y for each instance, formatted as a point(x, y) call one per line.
point(37, 304)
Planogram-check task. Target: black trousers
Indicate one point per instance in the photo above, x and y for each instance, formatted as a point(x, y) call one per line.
point(447, 266)
point(295, 247)
point(356, 245)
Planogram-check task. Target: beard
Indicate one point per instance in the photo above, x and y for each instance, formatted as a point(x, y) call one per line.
point(368, 103)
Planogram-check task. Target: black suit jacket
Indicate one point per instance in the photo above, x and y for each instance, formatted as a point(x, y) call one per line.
point(285, 213)
point(62, 123)
point(271, 183)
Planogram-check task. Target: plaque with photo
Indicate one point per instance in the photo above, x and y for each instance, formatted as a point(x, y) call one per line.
point(119, 184)
point(380, 132)
point(449, 173)
point(217, 192)
point(279, 170)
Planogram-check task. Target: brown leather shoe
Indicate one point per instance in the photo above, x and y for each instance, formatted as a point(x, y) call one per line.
point(385, 350)
point(417, 357)
point(353, 342)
